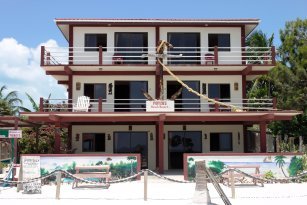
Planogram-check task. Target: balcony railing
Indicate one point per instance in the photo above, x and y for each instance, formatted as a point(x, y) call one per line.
point(139, 105)
point(146, 56)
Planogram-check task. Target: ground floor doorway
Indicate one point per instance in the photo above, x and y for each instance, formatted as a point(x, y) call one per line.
point(132, 142)
point(180, 142)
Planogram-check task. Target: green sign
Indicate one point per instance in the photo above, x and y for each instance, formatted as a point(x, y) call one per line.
point(4, 133)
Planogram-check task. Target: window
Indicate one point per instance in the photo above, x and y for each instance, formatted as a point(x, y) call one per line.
point(219, 40)
point(95, 40)
point(184, 40)
point(131, 45)
point(129, 96)
point(95, 91)
point(93, 142)
point(186, 101)
point(220, 141)
point(220, 91)
point(132, 142)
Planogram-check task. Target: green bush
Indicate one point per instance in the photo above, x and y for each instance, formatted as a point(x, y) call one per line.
point(269, 175)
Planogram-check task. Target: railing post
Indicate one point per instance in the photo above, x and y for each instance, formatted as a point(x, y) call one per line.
point(273, 53)
point(48, 58)
point(216, 106)
point(99, 104)
point(274, 103)
point(41, 104)
point(232, 184)
point(145, 184)
point(216, 57)
point(42, 55)
point(58, 185)
point(100, 55)
point(243, 55)
point(70, 55)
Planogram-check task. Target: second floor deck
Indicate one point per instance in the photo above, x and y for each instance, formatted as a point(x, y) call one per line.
point(146, 56)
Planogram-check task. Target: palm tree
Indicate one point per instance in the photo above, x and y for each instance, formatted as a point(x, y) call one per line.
point(280, 162)
point(259, 39)
point(261, 86)
point(10, 104)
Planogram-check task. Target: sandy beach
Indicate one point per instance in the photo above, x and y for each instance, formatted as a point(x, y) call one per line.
point(159, 192)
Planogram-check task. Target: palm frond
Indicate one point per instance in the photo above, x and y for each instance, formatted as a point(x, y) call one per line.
point(35, 106)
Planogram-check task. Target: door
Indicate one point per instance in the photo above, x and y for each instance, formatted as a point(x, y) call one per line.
point(132, 142)
point(180, 142)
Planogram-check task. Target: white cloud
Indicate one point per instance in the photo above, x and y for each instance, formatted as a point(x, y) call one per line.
point(20, 70)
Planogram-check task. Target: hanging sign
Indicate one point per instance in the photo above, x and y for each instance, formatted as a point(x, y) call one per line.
point(160, 106)
point(10, 133)
point(30, 170)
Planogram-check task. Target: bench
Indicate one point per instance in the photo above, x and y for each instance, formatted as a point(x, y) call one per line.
point(100, 172)
point(238, 176)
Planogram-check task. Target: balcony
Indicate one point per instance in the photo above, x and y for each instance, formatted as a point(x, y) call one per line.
point(139, 105)
point(121, 56)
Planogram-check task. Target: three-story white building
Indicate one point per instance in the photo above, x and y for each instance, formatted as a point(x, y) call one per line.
point(113, 62)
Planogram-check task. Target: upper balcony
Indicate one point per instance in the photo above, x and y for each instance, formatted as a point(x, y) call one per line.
point(145, 56)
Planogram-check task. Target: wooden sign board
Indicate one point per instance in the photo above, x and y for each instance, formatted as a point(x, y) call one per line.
point(31, 169)
point(160, 106)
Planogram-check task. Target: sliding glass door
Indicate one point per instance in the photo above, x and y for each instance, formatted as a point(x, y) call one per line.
point(132, 142)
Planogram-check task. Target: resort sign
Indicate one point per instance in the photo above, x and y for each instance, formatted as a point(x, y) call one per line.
point(31, 169)
point(160, 106)
point(10, 133)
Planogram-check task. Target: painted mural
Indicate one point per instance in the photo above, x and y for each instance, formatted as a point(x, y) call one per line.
point(277, 165)
point(121, 166)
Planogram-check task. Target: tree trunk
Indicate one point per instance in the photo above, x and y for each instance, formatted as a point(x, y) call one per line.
point(300, 148)
point(37, 140)
point(278, 143)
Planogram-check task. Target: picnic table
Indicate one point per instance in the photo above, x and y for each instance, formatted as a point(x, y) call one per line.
point(238, 176)
point(98, 172)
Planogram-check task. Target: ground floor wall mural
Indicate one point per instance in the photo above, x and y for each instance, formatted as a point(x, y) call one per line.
point(121, 165)
point(275, 164)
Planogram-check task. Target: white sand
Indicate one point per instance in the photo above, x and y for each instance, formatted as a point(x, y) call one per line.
point(159, 192)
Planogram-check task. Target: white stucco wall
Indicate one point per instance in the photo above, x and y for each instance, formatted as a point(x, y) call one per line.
point(236, 95)
point(109, 129)
point(79, 33)
point(205, 129)
point(235, 40)
point(108, 106)
point(92, 57)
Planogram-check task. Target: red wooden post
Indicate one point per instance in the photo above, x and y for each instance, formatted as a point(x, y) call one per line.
point(274, 103)
point(42, 55)
point(273, 55)
point(99, 104)
point(100, 55)
point(216, 58)
point(57, 139)
point(243, 55)
point(161, 145)
point(48, 58)
point(216, 106)
point(41, 104)
point(263, 137)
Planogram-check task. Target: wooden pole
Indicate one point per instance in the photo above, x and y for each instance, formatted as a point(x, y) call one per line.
point(58, 185)
point(232, 184)
point(145, 184)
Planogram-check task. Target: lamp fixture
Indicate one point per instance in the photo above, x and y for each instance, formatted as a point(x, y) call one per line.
point(110, 88)
point(205, 136)
point(236, 86)
point(239, 138)
point(109, 137)
point(78, 86)
point(151, 136)
point(77, 137)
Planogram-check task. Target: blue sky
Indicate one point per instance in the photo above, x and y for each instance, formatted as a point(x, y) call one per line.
point(26, 24)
